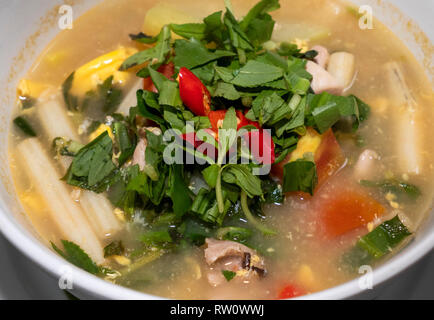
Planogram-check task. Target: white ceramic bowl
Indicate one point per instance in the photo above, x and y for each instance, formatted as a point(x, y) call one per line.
point(20, 19)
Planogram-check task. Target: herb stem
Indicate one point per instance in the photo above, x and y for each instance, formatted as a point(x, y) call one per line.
point(257, 224)
point(219, 194)
point(294, 102)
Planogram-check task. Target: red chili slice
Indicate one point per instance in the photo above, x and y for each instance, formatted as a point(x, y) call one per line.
point(216, 118)
point(168, 70)
point(290, 291)
point(193, 93)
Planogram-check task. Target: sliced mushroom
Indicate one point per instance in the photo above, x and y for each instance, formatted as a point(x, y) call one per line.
point(221, 255)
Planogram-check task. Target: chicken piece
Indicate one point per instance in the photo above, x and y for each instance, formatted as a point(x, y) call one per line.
point(323, 56)
point(322, 80)
point(367, 166)
point(139, 152)
point(232, 256)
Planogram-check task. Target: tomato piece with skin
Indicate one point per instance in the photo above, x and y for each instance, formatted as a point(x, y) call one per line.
point(344, 209)
point(168, 70)
point(291, 291)
point(193, 93)
point(329, 157)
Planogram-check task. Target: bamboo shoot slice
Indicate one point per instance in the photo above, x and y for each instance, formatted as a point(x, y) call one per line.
point(407, 135)
point(54, 121)
point(98, 209)
point(66, 214)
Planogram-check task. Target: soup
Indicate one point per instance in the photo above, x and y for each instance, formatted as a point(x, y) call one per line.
point(257, 154)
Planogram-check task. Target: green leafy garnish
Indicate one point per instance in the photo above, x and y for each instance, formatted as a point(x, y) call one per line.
point(114, 248)
point(66, 147)
point(229, 275)
point(378, 242)
point(75, 255)
point(386, 236)
point(92, 164)
point(25, 126)
point(402, 190)
point(158, 53)
point(300, 175)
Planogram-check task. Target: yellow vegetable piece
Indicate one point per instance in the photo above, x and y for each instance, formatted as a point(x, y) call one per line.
point(121, 260)
point(309, 143)
point(164, 13)
point(305, 277)
point(88, 76)
point(101, 129)
point(29, 88)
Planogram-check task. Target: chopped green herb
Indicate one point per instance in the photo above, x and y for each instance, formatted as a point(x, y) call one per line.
point(25, 126)
point(229, 275)
point(114, 248)
point(74, 254)
point(300, 175)
point(402, 190)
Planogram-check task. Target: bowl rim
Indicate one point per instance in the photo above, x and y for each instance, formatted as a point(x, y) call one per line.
point(45, 258)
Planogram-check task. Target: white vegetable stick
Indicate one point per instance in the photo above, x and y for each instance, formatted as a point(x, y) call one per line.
point(97, 208)
point(52, 116)
point(66, 214)
point(130, 99)
point(100, 210)
point(407, 135)
point(342, 66)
